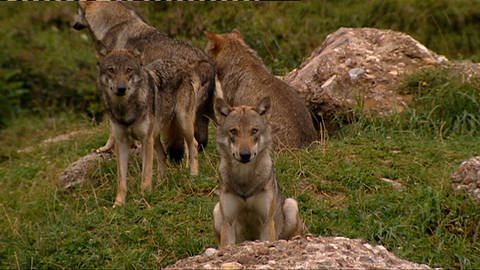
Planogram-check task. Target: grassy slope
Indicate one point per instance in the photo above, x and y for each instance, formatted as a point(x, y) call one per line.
point(338, 184)
point(338, 187)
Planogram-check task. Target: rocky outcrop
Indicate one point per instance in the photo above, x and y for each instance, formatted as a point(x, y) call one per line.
point(360, 67)
point(76, 172)
point(467, 178)
point(301, 253)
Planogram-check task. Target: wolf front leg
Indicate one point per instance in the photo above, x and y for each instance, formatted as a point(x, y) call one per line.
point(186, 122)
point(161, 158)
point(265, 206)
point(147, 163)
point(268, 232)
point(121, 151)
point(227, 234)
point(225, 215)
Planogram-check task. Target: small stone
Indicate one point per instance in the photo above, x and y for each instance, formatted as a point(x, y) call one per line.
point(210, 252)
point(354, 73)
point(393, 72)
point(348, 62)
point(231, 265)
point(467, 180)
point(208, 266)
point(264, 267)
point(247, 260)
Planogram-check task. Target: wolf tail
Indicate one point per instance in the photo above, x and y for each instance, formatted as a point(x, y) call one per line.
point(174, 144)
point(176, 150)
point(205, 104)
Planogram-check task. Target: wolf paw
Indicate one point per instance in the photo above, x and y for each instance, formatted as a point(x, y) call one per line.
point(146, 188)
point(118, 204)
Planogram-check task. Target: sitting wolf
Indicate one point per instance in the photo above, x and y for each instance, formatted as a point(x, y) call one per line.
point(251, 206)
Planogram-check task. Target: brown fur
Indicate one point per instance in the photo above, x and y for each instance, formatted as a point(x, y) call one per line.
point(144, 103)
point(251, 206)
point(116, 26)
point(245, 81)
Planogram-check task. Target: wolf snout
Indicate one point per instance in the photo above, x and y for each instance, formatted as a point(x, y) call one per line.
point(245, 156)
point(121, 90)
point(78, 26)
point(78, 23)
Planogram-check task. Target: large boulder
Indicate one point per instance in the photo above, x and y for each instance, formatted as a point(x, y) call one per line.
point(302, 253)
point(360, 68)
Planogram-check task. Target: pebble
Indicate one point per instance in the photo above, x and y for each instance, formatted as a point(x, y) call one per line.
point(231, 265)
point(354, 73)
point(210, 252)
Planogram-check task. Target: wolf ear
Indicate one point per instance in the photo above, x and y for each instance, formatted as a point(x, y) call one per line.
point(137, 54)
point(216, 41)
point(264, 106)
point(212, 36)
point(83, 4)
point(237, 33)
point(101, 51)
point(222, 109)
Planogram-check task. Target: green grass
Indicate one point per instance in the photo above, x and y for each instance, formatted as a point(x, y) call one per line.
point(337, 185)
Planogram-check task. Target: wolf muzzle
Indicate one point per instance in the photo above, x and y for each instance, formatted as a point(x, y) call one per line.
point(121, 90)
point(245, 156)
point(78, 26)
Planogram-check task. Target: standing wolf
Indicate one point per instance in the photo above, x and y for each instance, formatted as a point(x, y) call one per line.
point(245, 81)
point(251, 206)
point(143, 103)
point(115, 26)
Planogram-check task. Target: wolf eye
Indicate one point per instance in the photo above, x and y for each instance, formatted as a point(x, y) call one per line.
point(111, 69)
point(254, 131)
point(129, 70)
point(233, 132)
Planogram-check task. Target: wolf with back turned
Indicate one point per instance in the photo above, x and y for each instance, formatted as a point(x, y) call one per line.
point(251, 205)
point(245, 81)
point(114, 25)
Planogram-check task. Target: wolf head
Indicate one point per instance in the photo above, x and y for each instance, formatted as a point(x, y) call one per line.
point(243, 131)
point(101, 16)
point(79, 21)
point(120, 73)
point(229, 46)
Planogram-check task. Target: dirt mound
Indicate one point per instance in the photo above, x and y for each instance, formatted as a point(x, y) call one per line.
point(303, 253)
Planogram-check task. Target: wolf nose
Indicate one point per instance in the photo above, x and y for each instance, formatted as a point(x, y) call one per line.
point(121, 91)
point(245, 156)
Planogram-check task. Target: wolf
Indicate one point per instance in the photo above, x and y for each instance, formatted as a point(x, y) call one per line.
point(251, 206)
point(115, 25)
point(143, 103)
point(245, 81)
